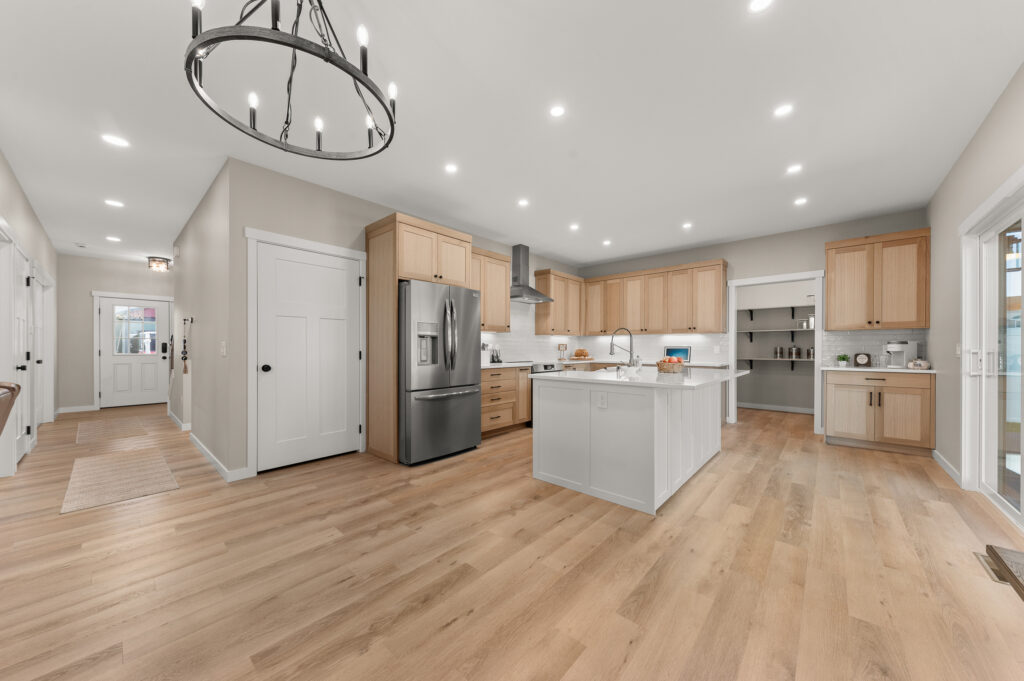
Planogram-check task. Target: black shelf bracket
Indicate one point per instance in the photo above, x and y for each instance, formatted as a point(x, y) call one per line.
point(792, 365)
point(750, 335)
point(751, 312)
point(792, 313)
point(792, 337)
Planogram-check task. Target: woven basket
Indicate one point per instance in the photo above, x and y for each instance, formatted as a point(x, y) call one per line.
point(670, 367)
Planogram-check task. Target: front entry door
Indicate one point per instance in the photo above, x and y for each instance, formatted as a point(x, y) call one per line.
point(134, 337)
point(307, 359)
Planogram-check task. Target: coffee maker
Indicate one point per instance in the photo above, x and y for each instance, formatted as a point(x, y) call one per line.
point(900, 353)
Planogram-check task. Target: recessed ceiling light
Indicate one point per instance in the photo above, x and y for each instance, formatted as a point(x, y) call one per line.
point(574, 227)
point(607, 242)
point(114, 203)
point(558, 111)
point(115, 239)
point(794, 169)
point(451, 168)
point(802, 201)
point(116, 141)
point(687, 225)
point(783, 110)
point(523, 203)
point(756, 6)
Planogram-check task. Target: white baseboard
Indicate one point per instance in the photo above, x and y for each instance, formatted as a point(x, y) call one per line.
point(948, 467)
point(73, 410)
point(228, 475)
point(177, 421)
point(776, 407)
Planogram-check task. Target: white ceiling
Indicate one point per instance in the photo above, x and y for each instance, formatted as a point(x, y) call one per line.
point(669, 114)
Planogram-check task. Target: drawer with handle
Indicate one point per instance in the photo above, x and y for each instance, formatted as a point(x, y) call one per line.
point(879, 379)
point(496, 399)
point(496, 417)
point(497, 374)
point(498, 385)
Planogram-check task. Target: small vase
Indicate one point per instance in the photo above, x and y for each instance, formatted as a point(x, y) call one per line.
point(843, 365)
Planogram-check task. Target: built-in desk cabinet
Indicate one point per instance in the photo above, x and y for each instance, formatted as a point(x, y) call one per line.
point(491, 275)
point(879, 282)
point(881, 410)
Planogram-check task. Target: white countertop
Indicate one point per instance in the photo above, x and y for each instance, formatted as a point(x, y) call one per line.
point(883, 370)
point(647, 378)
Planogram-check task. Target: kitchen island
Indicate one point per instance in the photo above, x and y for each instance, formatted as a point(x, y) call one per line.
point(631, 440)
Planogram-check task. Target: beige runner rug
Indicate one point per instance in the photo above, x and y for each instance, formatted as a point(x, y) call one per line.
point(109, 478)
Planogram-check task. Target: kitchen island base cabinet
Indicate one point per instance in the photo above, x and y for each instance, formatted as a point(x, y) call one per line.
point(633, 446)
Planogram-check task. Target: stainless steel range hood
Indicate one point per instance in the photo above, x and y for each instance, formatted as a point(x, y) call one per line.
point(522, 292)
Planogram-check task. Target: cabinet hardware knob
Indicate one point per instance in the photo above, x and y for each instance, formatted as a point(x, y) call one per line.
point(877, 322)
point(265, 368)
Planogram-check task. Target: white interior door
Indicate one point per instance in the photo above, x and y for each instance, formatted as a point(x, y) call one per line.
point(22, 414)
point(38, 353)
point(133, 351)
point(307, 356)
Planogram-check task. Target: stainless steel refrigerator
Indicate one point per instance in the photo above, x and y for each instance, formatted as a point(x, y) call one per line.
point(439, 370)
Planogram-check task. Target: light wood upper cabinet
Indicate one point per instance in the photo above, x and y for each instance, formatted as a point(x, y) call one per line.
point(434, 253)
point(633, 304)
point(878, 282)
point(417, 253)
point(594, 308)
point(573, 307)
point(708, 301)
point(453, 261)
point(612, 305)
point(656, 303)
point(680, 301)
point(902, 284)
point(562, 316)
point(491, 275)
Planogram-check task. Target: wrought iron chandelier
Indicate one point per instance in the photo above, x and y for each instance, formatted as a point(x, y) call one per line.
point(329, 50)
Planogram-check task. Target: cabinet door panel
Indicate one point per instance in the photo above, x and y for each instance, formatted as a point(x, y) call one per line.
point(524, 396)
point(850, 412)
point(901, 284)
point(656, 303)
point(849, 282)
point(612, 305)
point(544, 313)
point(558, 292)
point(573, 307)
point(453, 261)
point(708, 313)
point(904, 417)
point(494, 312)
point(417, 253)
point(476, 277)
point(633, 304)
point(594, 317)
point(680, 301)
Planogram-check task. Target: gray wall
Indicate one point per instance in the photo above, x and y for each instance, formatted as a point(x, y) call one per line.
point(776, 254)
point(992, 156)
point(22, 219)
point(79, 277)
point(201, 291)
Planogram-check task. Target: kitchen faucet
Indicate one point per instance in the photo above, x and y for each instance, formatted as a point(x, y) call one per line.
point(634, 359)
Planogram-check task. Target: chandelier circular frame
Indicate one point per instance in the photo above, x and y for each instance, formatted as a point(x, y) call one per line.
point(206, 40)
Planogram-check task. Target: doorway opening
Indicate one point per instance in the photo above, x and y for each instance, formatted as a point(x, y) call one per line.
point(131, 349)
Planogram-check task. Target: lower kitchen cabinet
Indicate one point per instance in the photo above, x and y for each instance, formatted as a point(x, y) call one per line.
point(505, 397)
point(881, 410)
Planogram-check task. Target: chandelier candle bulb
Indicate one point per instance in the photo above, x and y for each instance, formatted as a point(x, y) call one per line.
point(363, 38)
point(369, 130)
point(254, 102)
point(318, 125)
point(197, 17)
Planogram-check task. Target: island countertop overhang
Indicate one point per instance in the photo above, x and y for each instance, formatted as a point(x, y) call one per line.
point(647, 378)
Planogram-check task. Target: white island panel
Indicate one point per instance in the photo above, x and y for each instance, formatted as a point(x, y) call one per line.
point(633, 442)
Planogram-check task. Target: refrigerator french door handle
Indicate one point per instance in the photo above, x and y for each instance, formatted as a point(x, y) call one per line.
point(447, 334)
point(455, 332)
point(460, 393)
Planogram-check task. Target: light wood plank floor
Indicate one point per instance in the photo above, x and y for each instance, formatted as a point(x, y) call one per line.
point(782, 559)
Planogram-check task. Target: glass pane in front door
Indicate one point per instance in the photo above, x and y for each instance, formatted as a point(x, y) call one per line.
point(1008, 367)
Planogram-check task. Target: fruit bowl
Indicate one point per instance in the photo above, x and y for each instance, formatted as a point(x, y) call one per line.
point(666, 367)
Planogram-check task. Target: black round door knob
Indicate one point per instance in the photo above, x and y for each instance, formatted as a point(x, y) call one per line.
point(265, 368)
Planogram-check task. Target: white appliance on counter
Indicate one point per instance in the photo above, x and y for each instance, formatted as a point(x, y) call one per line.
point(900, 352)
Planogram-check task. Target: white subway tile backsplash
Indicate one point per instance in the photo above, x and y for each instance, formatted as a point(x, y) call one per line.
point(871, 342)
